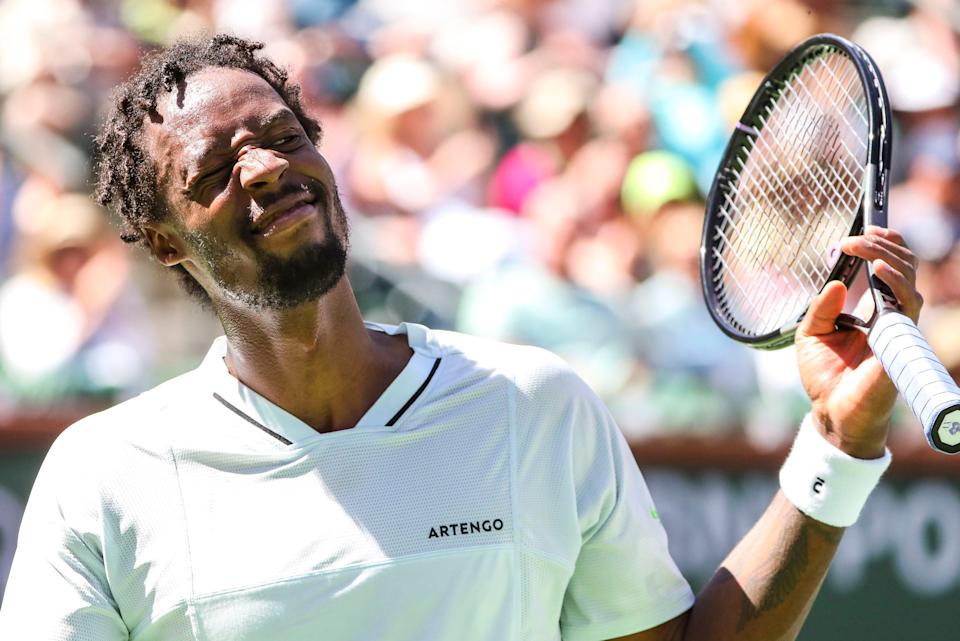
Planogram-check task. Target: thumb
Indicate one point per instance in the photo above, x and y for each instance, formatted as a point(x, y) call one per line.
point(822, 314)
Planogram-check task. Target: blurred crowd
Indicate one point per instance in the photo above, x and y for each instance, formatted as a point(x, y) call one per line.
point(529, 170)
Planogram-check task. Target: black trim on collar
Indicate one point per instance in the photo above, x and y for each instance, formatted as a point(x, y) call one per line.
point(287, 441)
point(415, 396)
point(253, 422)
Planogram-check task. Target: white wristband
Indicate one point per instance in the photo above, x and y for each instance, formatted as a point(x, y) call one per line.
point(826, 483)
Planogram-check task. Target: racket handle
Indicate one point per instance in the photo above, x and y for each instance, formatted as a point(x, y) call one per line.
point(920, 377)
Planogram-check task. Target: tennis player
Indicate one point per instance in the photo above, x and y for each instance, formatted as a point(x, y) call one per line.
point(320, 477)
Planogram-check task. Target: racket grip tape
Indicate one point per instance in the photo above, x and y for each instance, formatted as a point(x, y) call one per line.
point(920, 377)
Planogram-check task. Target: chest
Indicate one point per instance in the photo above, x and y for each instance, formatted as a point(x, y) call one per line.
point(364, 501)
point(401, 536)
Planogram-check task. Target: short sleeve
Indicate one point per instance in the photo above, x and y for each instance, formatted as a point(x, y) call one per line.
point(624, 580)
point(57, 588)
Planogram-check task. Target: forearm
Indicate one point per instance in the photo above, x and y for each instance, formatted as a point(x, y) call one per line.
point(764, 589)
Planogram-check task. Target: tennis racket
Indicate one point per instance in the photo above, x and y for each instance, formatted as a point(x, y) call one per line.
point(807, 166)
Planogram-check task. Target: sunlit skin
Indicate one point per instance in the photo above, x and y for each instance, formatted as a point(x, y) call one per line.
point(318, 362)
point(225, 145)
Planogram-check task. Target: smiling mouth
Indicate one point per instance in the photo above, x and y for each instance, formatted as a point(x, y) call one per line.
point(286, 218)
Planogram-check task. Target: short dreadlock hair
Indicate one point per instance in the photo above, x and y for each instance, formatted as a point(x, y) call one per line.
point(126, 180)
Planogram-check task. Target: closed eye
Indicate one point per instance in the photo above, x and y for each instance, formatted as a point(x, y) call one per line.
point(290, 141)
point(213, 173)
point(213, 177)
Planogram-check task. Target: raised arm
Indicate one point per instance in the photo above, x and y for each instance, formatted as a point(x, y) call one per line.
point(764, 589)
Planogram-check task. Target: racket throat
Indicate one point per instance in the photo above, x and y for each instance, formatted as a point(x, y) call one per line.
point(847, 322)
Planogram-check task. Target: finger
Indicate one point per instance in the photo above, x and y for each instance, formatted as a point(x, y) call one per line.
point(878, 242)
point(821, 317)
point(891, 245)
point(874, 248)
point(908, 297)
point(885, 232)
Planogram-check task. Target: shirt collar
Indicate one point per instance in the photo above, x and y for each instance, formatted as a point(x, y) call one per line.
point(385, 412)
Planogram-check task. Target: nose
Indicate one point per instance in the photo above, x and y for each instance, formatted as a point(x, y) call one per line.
point(260, 168)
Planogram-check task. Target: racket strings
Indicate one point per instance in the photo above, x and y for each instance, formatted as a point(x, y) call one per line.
point(756, 252)
point(794, 193)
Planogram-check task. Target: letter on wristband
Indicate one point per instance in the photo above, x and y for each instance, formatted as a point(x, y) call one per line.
point(826, 483)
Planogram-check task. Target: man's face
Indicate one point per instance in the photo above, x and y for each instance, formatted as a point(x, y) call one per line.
point(254, 212)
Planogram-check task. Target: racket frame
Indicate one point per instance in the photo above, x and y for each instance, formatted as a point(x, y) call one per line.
point(912, 375)
point(872, 207)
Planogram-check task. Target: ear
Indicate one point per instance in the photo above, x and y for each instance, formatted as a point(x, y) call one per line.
point(165, 246)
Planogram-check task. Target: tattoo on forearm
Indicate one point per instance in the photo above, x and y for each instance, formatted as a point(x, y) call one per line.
point(778, 579)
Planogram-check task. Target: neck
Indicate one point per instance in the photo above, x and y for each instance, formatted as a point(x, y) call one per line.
point(318, 361)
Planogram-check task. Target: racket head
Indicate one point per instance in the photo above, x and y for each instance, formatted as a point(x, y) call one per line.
point(758, 284)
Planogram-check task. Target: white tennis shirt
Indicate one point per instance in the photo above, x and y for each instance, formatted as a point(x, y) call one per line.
point(486, 496)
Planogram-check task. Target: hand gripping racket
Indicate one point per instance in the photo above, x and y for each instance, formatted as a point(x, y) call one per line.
point(807, 165)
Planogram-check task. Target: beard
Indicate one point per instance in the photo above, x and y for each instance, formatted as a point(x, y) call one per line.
point(283, 282)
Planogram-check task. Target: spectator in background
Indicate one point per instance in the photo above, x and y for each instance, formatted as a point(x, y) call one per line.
point(482, 147)
point(421, 147)
point(68, 326)
point(691, 382)
point(66, 330)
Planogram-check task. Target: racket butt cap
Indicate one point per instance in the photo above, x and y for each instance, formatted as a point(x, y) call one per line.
point(945, 434)
point(920, 377)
